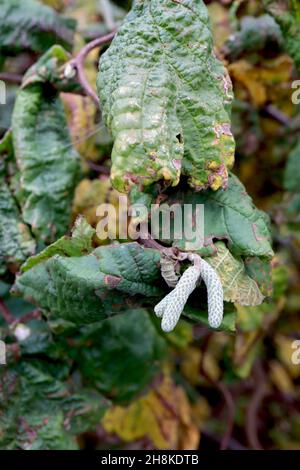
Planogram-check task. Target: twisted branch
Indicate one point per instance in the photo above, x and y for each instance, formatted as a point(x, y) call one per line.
point(77, 64)
point(11, 77)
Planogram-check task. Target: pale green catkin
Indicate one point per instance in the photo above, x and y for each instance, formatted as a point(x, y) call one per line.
point(171, 306)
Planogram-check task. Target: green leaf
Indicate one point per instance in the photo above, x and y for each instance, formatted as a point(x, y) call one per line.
point(40, 411)
point(238, 286)
point(229, 215)
point(89, 288)
point(123, 354)
point(200, 315)
point(43, 404)
point(50, 69)
point(292, 175)
point(30, 25)
point(260, 270)
point(16, 242)
point(166, 98)
point(78, 244)
point(45, 157)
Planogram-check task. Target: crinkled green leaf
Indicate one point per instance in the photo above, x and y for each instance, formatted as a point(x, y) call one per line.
point(292, 173)
point(229, 215)
point(80, 243)
point(30, 25)
point(43, 405)
point(123, 354)
point(40, 411)
point(238, 286)
point(16, 242)
point(166, 98)
point(89, 288)
point(45, 156)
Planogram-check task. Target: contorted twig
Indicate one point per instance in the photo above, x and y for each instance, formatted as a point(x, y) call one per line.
point(76, 65)
point(259, 393)
point(6, 314)
point(11, 77)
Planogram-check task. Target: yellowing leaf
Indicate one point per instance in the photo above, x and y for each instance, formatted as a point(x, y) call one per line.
point(56, 4)
point(220, 20)
point(191, 361)
point(237, 285)
point(81, 113)
point(182, 336)
point(281, 378)
point(246, 347)
point(90, 194)
point(263, 80)
point(164, 415)
point(201, 411)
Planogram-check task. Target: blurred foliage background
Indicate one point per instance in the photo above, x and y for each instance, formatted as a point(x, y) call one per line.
point(193, 388)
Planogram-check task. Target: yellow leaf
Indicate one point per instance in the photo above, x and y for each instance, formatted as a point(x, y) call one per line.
point(237, 285)
point(191, 361)
point(201, 411)
point(182, 336)
point(264, 82)
point(89, 194)
point(244, 73)
point(220, 23)
point(281, 378)
point(164, 415)
point(81, 113)
point(56, 4)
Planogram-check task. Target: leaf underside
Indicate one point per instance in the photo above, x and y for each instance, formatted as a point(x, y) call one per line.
point(44, 152)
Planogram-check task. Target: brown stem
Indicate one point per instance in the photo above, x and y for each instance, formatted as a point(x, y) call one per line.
point(104, 170)
point(8, 317)
point(232, 445)
point(11, 77)
point(78, 63)
point(259, 394)
point(34, 314)
point(151, 243)
point(277, 115)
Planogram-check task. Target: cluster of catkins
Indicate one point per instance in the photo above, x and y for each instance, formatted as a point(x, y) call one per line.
point(171, 307)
